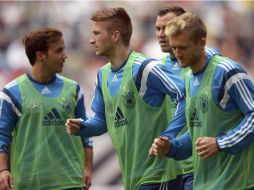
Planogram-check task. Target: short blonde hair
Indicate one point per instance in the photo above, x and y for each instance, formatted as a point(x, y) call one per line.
point(187, 22)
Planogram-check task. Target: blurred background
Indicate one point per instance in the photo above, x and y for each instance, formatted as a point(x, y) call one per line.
point(230, 27)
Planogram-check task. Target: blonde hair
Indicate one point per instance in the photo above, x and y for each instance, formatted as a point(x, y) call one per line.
point(187, 22)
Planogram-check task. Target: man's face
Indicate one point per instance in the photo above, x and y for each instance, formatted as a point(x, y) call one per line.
point(55, 57)
point(160, 25)
point(102, 39)
point(185, 49)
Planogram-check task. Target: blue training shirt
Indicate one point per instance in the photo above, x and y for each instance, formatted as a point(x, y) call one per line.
point(153, 81)
point(11, 106)
point(232, 89)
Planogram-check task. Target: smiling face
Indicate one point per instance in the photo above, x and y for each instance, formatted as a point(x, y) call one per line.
point(102, 39)
point(160, 25)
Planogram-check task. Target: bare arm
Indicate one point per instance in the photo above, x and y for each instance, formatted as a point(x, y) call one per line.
point(6, 182)
point(88, 167)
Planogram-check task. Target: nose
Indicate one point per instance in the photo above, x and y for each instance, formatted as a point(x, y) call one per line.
point(177, 52)
point(65, 55)
point(161, 33)
point(92, 40)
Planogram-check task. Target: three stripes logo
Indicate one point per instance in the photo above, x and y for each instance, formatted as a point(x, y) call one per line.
point(53, 118)
point(194, 120)
point(119, 118)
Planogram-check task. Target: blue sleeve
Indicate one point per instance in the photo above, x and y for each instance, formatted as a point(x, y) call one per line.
point(237, 93)
point(80, 112)
point(172, 85)
point(97, 124)
point(167, 82)
point(239, 138)
point(8, 120)
point(178, 122)
point(181, 147)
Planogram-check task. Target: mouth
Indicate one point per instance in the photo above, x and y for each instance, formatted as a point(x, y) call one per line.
point(163, 43)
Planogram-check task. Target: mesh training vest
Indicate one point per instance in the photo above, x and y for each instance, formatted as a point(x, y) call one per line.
point(133, 125)
point(223, 171)
point(43, 155)
point(187, 164)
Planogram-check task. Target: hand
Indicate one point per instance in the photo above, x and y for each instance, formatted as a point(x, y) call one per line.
point(160, 147)
point(6, 181)
point(206, 147)
point(87, 178)
point(72, 126)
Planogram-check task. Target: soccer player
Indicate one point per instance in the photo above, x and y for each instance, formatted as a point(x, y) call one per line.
point(129, 104)
point(164, 15)
point(33, 111)
point(219, 112)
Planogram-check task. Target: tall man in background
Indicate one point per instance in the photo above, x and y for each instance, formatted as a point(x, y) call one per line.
point(129, 104)
point(33, 111)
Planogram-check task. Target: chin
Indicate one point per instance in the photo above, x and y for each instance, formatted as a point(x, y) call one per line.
point(165, 49)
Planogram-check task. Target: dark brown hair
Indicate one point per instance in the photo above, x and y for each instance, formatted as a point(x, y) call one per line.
point(38, 40)
point(170, 9)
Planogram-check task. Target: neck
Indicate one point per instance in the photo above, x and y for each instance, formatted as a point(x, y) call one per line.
point(199, 64)
point(118, 57)
point(39, 74)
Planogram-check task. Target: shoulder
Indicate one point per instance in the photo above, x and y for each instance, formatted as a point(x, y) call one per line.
point(60, 78)
point(229, 72)
point(12, 88)
point(212, 51)
point(229, 67)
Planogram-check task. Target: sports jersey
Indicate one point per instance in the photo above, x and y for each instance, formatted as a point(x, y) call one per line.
point(224, 90)
point(153, 81)
point(173, 65)
point(43, 155)
point(133, 101)
point(125, 113)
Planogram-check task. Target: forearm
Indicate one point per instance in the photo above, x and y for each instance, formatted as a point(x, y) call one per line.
point(239, 138)
point(92, 127)
point(3, 161)
point(181, 147)
point(88, 158)
point(178, 122)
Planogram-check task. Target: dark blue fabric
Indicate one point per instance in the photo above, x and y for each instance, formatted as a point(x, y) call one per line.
point(175, 184)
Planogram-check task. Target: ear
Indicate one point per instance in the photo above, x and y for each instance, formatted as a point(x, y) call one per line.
point(202, 43)
point(116, 36)
point(40, 56)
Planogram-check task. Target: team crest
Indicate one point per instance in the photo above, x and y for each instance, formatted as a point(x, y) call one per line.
point(67, 104)
point(129, 100)
point(204, 103)
point(33, 105)
point(174, 103)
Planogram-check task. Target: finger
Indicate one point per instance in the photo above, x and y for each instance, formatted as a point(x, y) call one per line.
point(74, 121)
point(10, 182)
point(198, 141)
point(160, 144)
point(151, 152)
point(164, 139)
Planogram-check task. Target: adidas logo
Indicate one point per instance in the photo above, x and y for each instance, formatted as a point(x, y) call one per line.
point(119, 118)
point(53, 118)
point(175, 67)
point(194, 120)
point(45, 91)
point(196, 82)
point(115, 78)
